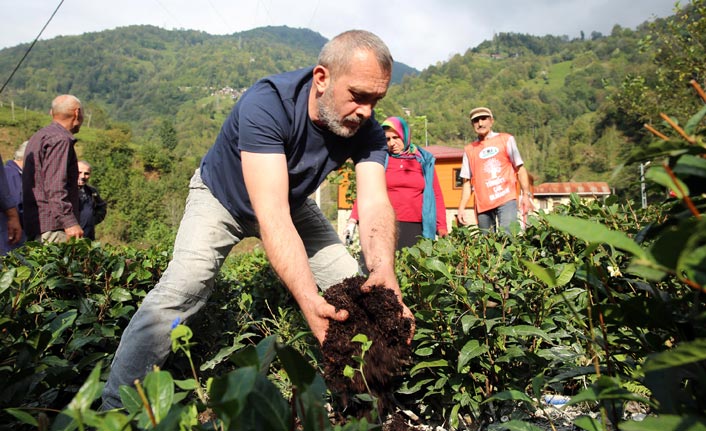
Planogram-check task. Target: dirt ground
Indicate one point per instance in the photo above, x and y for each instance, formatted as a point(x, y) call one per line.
point(378, 315)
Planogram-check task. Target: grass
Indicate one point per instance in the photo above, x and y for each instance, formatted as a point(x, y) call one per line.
point(554, 78)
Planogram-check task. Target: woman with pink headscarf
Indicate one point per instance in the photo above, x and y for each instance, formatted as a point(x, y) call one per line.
point(412, 186)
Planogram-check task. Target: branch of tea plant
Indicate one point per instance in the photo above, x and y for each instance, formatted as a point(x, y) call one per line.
point(589, 310)
point(676, 127)
point(698, 89)
point(180, 335)
point(656, 132)
point(145, 402)
point(687, 200)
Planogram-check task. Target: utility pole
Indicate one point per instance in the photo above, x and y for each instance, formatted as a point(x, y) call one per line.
point(643, 189)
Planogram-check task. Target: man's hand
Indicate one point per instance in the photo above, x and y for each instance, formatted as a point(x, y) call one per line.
point(318, 316)
point(14, 228)
point(526, 204)
point(74, 231)
point(462, 218)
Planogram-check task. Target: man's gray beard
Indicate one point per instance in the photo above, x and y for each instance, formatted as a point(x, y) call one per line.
point(328, 116)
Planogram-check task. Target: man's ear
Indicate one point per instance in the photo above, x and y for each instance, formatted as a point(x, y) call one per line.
point(322, 78)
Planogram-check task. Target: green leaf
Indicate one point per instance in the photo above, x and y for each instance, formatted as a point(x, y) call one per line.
point(159, 386)
point(514, 425)
point(424, 351)
point(660, 149)
point(468, 322)
point(666, 422)
point(428, 364)
point(180, 336)
point(130, 399)
point(229, 393)
point(360, 338)
point(266, 352)
point(119, 294)
point(683, 354)
point(6, 279)
point(89, 392)
point(545, 275)
point(299, 370)
point(469, 351)
point(23, 416)
point(349, 371)
point(566, 274)
point(113, 421)
point(692, 259)
point(435, 264)
point(694, 121)
point(595, 233)
point(511, 394)
point(118, 269)
point(225, 352)
point(668, 248)
point(245, 357)
point(660, 176)
point(187, 385)
point(606, 388)
point(690, 165)
point(269, 407)
point(523, 331)
point(588, 423)
point(61, 323)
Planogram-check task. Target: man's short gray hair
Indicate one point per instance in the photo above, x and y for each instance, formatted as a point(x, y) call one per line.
point(65, 104)
point(336, 54)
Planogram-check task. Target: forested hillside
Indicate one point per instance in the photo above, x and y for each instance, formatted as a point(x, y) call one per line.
point(155, 100)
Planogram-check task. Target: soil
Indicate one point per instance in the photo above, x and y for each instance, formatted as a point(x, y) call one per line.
point(378, 315)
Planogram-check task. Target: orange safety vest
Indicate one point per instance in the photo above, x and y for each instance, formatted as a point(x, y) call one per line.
point(493, 175)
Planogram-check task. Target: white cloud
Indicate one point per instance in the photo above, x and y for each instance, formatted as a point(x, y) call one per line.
point(419, 32)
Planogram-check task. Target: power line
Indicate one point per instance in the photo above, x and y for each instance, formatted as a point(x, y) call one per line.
point(30, 47)
point(221, 16)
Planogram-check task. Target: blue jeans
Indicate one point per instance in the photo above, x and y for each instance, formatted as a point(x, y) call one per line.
point(504, 215)
point(206, 235)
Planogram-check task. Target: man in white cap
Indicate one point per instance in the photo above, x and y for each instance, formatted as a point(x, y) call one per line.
point(492, 165)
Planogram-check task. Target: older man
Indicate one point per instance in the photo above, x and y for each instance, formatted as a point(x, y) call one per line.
point(50, 176)
point(92, 207)
point(493, 165)
point(283, 137)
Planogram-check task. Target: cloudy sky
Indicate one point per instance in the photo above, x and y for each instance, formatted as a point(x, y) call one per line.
point(419, 32)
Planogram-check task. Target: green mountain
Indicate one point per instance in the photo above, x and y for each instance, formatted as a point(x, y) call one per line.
point(138, 73)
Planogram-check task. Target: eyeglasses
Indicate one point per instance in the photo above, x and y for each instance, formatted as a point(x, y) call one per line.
point(482, 117)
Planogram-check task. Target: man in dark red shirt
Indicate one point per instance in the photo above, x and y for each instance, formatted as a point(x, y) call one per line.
point(50, 176)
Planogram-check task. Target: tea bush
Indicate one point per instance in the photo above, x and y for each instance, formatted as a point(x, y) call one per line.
point(599, 301)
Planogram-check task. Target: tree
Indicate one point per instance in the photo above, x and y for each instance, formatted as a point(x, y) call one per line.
point(168, 135)
point(678, 48)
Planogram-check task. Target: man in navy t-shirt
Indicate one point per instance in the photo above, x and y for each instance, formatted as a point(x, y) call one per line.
point(283, 137)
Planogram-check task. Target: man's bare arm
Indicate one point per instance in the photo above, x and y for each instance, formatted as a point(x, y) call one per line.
point(378, 230)
point(283, 245)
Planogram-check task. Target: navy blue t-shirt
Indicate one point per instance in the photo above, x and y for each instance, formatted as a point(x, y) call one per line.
point(272, 117)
